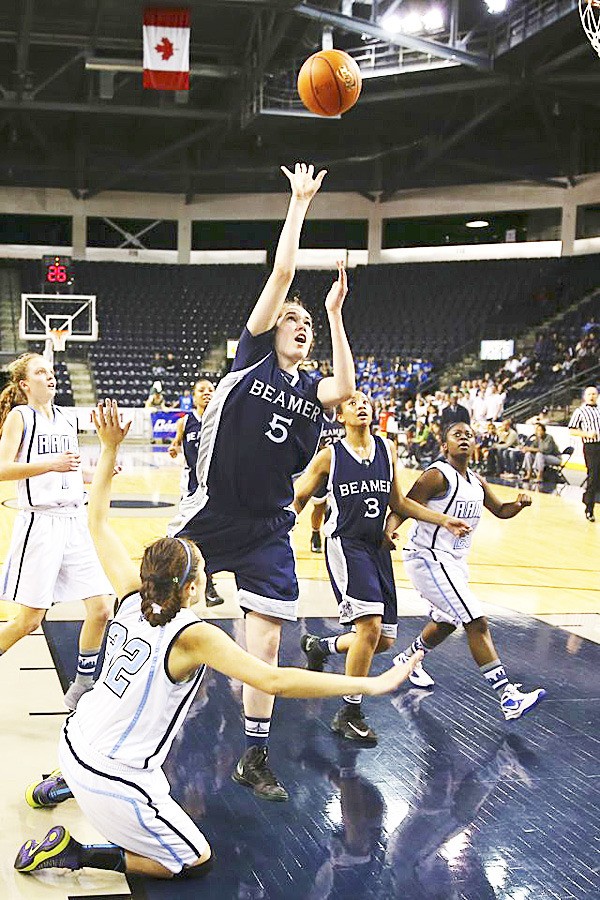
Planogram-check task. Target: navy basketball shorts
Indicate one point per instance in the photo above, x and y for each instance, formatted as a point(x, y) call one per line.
point(362, 579)
point(257, 551)
point(321, 495)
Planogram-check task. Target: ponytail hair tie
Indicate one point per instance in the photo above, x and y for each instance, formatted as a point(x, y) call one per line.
point(157, 609)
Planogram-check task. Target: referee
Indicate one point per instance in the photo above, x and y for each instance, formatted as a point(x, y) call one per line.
point(585, 423)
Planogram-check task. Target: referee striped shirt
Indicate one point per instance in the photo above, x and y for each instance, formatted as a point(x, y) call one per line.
point(587, 418)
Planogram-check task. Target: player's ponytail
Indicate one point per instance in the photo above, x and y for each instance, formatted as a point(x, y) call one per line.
point(13, 394)
point(168, 565)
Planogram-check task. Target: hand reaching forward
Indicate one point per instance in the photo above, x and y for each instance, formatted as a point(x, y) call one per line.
point(303, 181)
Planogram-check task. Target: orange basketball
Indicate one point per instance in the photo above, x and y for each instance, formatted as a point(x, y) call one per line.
point(329, 82)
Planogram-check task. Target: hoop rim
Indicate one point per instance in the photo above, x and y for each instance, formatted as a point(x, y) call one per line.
point(58, 336)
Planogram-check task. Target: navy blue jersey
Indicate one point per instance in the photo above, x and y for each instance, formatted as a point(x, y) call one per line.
point(331, 432)
point(359, 491)
point(260, 428)
point(191, 442)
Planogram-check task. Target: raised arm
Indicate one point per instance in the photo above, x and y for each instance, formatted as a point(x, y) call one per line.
point(304, 184)
point(429, 485)
point(205, 643)
point(312, 478)
point(341, 386)
point(122, 573)
point(503, 510)
point(10, 442)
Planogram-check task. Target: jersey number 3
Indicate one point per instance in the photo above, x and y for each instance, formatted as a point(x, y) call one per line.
point(128, 657)
point(372, 508)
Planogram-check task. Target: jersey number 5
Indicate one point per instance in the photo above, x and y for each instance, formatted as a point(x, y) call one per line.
point(277, 429)
point(128, 658)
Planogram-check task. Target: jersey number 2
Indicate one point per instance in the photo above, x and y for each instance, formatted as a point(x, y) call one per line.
point(128, 658)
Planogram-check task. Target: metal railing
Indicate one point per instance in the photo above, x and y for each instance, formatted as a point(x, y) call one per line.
point(558, 395)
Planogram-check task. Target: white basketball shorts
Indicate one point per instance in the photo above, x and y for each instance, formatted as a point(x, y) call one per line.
point(52, 559)
point(442, 580)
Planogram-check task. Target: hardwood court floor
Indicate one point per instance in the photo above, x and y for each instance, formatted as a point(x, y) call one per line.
point(517, 808)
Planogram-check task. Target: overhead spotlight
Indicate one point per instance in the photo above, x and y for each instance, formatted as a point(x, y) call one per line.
point(392, 23)
point(433, 19)
point(495, 7)
point(411, 23)
point(477, 223)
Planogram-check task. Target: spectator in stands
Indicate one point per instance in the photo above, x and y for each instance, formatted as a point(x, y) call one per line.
point(498, 459)
point(483, 445)
point(495, 404)
point(454, 412)
point(185, 401)
point(479, 414)
point(540, 418)
point(158, 365)
point(543, 452)
point(156, 400)
point(171, 363)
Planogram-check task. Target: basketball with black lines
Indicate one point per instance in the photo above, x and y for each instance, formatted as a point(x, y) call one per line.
point(329, 82)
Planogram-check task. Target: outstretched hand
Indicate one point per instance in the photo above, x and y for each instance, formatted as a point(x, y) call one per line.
point(395, 676)
point(523, 500)
point(338, 290)
point(303, 181)
point(106, 419)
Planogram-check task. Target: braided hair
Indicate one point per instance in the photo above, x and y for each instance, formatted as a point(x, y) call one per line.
point(13, 394)
point(168, 565)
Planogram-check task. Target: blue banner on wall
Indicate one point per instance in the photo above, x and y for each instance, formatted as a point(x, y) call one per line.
point(164, 424)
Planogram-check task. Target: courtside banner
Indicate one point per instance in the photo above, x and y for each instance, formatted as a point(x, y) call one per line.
point(167, 49)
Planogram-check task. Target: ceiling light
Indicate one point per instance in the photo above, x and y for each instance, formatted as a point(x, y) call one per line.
point(392, 23)
point(411, 23)
point(495, 7)
point(433, 19)
point(477, 223)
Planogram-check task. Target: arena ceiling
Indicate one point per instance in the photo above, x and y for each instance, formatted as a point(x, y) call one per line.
point(490, 98)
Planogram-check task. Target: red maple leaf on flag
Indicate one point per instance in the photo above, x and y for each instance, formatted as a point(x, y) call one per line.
point(165, 48)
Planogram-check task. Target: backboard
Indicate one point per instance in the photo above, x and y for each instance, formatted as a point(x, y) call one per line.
point(73, 313)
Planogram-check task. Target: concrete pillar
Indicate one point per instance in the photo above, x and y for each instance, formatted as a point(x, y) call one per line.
point(184, 240)
point(375, 234)
point(79, 236)
point(568, 227)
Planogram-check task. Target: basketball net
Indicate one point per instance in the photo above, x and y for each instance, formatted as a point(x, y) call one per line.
point(56, 342)
point(589, 13)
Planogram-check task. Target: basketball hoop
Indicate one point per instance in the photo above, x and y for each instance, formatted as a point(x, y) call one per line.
point(589, 13)
point(58, 336)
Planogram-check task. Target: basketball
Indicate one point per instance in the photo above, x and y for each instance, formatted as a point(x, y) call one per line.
point(329, 82)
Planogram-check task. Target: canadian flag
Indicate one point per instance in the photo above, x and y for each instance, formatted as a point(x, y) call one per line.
point(167, 49)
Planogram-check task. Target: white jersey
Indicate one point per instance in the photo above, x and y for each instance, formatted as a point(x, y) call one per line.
point(464, 500)
point(43, 438)
point(135, 710)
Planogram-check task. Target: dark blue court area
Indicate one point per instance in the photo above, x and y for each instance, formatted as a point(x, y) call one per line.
point(453, 804)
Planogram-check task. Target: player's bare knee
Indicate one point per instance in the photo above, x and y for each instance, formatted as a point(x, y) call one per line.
point(368, 629)
point(29, 619)
point(99, 610)
point(200, 868)
point(385, 643)
point(477, 626)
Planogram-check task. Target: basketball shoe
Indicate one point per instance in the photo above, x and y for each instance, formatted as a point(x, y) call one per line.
point(51, 790)
point(350, 724)
point(315, 542)
point(212, 596)
point(58, 850)
point(515, 704)
point(253, 771)
point(419, 677)
point(315, 655)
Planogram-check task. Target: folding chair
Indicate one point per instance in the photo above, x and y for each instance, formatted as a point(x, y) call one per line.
point(557, 471)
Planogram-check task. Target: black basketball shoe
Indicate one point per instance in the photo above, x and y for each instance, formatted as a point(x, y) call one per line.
point(211, 595)
point(253, 771)
point(350, 724)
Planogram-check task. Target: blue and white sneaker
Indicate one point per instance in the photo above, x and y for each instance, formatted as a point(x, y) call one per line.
point(515, 703)
point(51, 790)
point(419, 677)
point(57, 850)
